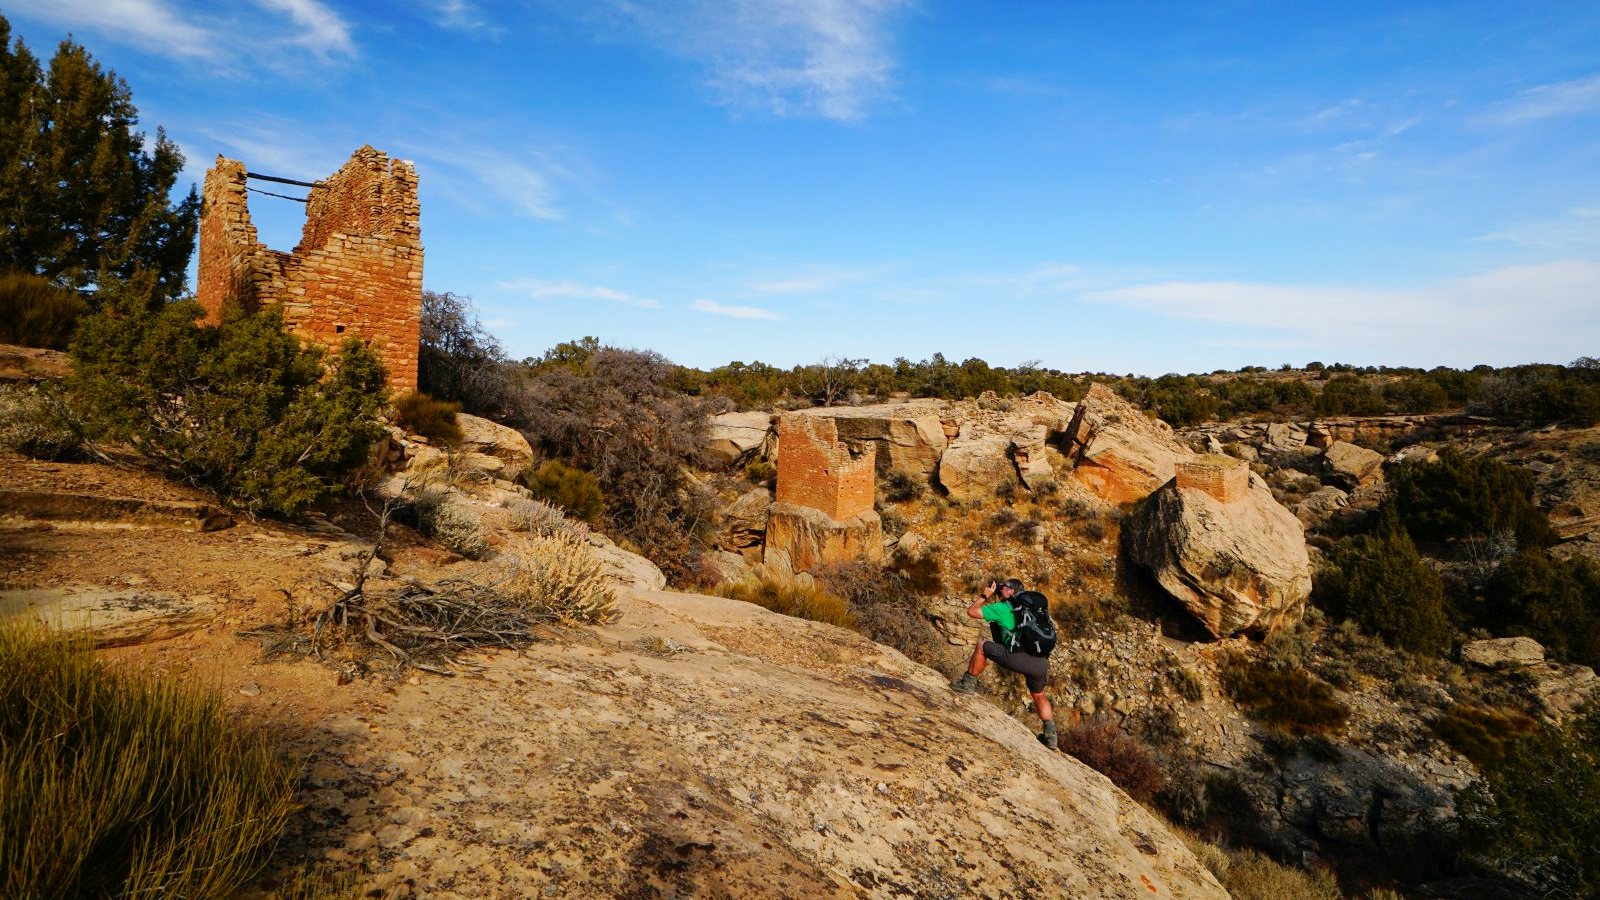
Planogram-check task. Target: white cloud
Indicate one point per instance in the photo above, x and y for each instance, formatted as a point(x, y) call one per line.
point(813, 282)
point(462, 15)
point(830, 58)
point(737, 312)
point(151, 24)
point(1548, 101)
point(321, 29)
point(1527, 309)
point(540, 289)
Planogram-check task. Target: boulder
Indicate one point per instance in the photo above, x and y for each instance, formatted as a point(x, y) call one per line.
point(1117, 451)
point(1562, 689)
point(506, 447)
point(1238, 566)
point(1350, 466)
point(974, 467)
point(1283, 437)
point(809, 538)
point(1503, 653)
point(628, 569)
point(733, 436)
point(1321, 505)
point(744, 521)
point(910, 436)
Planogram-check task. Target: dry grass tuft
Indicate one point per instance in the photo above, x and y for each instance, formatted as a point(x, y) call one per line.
point(803, 601)
point(126, 785)
point(559, 575)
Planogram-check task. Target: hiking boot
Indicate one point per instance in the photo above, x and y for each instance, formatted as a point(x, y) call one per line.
point(1048, 738)
point(966, 684)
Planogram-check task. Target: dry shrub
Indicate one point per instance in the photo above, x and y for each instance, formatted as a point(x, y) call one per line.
point(1289, 701)
point(559, 575)
point(435, 420)
point(1117, 755)
point(919, 574)
point(759, 471)
point(884, 609)
point(1482, 733)
point(900, 487)
point(36, 313)
point(33, 423)
point(542, 519)
point(803, 601)
point(452, 522)
point(1249, 875)
point(119, 784)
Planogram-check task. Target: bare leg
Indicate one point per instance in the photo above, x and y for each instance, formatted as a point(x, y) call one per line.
point(978, 662)
point(1042, 704)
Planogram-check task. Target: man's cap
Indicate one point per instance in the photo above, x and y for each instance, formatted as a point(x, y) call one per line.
point(1014, 583)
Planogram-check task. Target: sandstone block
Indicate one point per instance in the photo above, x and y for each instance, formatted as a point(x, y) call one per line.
point(1116, 451)
point(809, 538)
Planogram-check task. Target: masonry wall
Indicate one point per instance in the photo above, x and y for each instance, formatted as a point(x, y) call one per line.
point(816, 470)
point(357, 271)
point(1222, 477)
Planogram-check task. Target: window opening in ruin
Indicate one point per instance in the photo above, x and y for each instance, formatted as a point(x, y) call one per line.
point(338, 329)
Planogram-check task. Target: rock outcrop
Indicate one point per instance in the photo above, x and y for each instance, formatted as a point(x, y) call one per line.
point(1350, 466)
point(734, 436)
point(743, 523)
point(1217, 541)
point(1501, 653)
point(976, 466)
point(493, 448)
point(1117, 451)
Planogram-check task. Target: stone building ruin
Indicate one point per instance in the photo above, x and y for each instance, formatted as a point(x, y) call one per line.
point(823, 513)
point(356, 272)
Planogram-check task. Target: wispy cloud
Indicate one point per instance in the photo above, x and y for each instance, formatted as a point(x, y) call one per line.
point(462, 15)
point(1536, 307)
point(540, 289)
point(320, 29)
point(150, 24)
point(736, 312)
point(1548, 101)
point(828, 58)
point(220, 39)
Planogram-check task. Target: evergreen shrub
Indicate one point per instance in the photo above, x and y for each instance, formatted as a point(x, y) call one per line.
point(1285, 700)
point(574, 490)
point(241, 408)
point(1379, 581)
point(1462, 496)
point(1554, 601)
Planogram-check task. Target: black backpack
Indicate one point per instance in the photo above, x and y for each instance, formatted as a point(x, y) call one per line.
point(1035, 633)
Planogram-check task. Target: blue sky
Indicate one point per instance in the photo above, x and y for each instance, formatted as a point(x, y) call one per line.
point(1116, 186)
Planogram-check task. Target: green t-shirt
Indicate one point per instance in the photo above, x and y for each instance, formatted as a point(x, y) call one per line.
point(1003, 616)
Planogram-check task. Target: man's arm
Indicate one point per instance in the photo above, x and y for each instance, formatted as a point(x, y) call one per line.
point(976, 609)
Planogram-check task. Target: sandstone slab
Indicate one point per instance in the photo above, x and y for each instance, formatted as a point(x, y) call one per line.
point(810, 538)
point(743, 523)
point(1499, 653)
point(1351, 466)
point(491, 439)
point(976, 466)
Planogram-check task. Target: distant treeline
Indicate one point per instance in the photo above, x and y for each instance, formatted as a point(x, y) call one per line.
point(1535, 393)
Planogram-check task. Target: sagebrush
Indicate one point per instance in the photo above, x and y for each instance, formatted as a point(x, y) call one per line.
point(559, 574)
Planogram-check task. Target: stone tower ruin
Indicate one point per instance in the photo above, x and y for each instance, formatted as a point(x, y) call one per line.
point(823, 513)
point(357, 271)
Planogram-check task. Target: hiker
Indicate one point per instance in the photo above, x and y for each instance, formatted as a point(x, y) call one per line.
point(1008, 652)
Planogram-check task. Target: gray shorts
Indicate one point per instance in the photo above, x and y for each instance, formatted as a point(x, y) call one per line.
point(1033, 668)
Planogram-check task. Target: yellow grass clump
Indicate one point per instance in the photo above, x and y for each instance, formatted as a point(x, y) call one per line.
point(559, 575)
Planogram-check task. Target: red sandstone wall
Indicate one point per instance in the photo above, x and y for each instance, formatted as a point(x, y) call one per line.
point(815, 470)
point(356, 273)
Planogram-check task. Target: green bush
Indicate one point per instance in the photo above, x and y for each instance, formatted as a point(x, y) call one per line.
point(242, 409)
point(759, 471)
point(452, 522)
point(1461, 497)
point(1481, 733)
point(900, 487)
point(1380, 581)
point(435, 420)
point(574, 490)
point(1535, 815)
point(125, 785)
point(1554, 601)
point(36, 313)
point(1288, 701)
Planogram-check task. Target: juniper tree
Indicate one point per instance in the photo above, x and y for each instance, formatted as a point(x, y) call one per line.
point(83, 199)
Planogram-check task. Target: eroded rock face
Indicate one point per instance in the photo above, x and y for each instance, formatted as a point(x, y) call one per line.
point(1321, 505)
point(744, 521)
point(1117, 451)
point(733, 436)
point(810, 538)
point(910, 436)
point(1239, 566)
